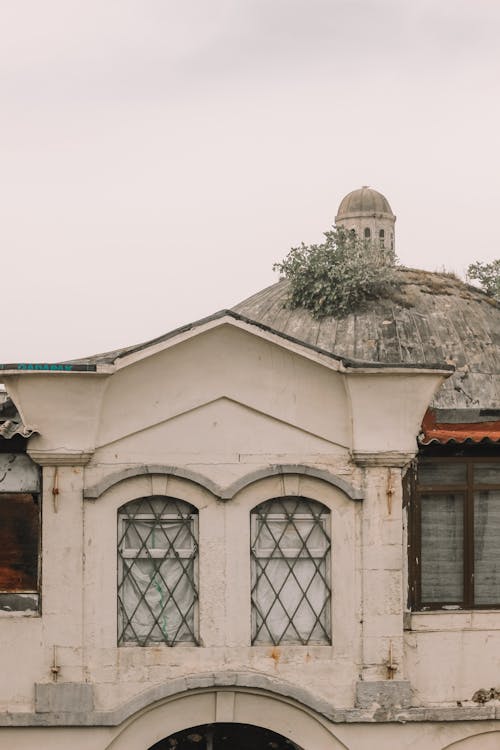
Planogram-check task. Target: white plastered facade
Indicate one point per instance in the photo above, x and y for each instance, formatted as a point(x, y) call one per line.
point(224, 417)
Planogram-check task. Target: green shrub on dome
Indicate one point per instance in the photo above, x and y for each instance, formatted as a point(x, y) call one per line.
point(488, 275)
point(339, 275)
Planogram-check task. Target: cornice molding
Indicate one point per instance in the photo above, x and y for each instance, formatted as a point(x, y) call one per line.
point(75, 700)
point(60, 458)
point(389, 459)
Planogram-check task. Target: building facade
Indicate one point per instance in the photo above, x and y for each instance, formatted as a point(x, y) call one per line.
point(260, 530)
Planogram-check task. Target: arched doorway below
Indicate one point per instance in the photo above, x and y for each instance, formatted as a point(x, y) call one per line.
point(225, 737)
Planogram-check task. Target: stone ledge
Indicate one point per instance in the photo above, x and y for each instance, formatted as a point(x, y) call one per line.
point(421, 714)
point(389, 459)
point(60, 458)
point(71, 704)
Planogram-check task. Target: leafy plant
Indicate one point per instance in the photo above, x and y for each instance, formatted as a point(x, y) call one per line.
point(339, 275)
point(488, 275)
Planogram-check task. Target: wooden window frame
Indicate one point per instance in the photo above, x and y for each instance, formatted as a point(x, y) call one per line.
point(413, 492)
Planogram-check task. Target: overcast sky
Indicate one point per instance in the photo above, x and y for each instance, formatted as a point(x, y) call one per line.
point(158, 156)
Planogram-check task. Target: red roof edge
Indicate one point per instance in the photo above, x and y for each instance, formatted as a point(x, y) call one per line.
point(459, 432)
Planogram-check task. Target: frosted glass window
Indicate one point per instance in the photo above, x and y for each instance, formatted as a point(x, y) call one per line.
point(487, 547)
point(290, 552)
point(454, 532)
point(453, 472)
point(157, 572)
point(442, 564)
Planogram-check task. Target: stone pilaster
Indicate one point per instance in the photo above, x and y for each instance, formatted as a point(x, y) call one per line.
point(63, 563)
point(382, 562)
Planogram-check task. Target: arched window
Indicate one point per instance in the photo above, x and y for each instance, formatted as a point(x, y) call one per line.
point(221, 735)
point(368, 233)
point(381, 238)
point(157, 572)
point(290, 549)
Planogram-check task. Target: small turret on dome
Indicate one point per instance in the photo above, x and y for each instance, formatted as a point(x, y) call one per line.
point(368, 213)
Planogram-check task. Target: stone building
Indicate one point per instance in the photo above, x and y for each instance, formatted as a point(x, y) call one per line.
point(260, 530)
point(368, 213)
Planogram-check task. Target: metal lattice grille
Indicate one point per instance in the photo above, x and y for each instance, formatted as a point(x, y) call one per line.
point(157, 572)
point(290, 551)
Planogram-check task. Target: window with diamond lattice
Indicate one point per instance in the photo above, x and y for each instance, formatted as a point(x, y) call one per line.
point(157, 572)
point(290, 550)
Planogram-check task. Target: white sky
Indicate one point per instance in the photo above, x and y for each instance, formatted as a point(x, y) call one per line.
point(158, 156)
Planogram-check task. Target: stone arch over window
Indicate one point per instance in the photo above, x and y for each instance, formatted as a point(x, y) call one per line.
point(480, 741)
point(195, 481)
point(290, 572)
point(157, 572)
point(344, 558)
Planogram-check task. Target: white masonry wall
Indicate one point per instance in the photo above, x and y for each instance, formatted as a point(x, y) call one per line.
point(259, 408)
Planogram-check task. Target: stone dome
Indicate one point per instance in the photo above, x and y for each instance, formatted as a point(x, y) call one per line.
point(363, 202)
point(432, 318)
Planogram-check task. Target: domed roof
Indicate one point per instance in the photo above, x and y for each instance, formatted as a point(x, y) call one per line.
point(431, 318)
point(363, 202)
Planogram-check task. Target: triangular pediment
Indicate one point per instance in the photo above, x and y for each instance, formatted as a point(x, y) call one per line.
point(225, 362)
point(222, 430)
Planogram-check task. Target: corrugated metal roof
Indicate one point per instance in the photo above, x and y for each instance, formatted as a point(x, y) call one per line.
point(11, 423)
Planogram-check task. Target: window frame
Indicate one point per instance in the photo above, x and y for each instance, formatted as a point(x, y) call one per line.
point(291, 556)
point(14, 600)
point(139, 553)
point(157, 553)
point(22, 477)
point(413, 491)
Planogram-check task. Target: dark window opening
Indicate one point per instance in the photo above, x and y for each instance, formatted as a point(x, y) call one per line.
point(381, 238)
point(454, 532)
point(225, 737)
point(20, 524)
point(368, 233)
point(15, 444)
point(19, 534)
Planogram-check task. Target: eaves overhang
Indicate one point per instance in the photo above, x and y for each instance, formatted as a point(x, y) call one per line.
point(111, 361)
point(53, 368)
point(108, 363)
